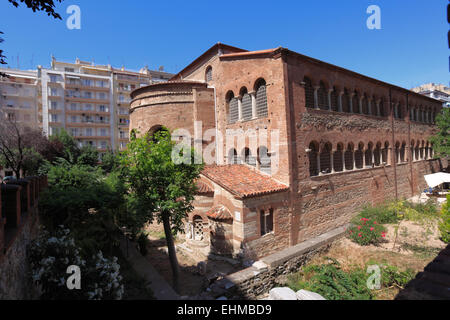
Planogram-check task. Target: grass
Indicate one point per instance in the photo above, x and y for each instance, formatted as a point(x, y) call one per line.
point(422, 252)
point(334, 282)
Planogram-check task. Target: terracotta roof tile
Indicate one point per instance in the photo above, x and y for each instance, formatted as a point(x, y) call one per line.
point(203, 188)
point(219, 213)
point(243, 181)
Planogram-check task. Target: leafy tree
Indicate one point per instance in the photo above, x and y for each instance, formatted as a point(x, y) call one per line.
point(441, 142)
point(110, 161)
point(70, 150)
point(81, 198)
point(159, 188)
point(88, 156)
point(19, 147)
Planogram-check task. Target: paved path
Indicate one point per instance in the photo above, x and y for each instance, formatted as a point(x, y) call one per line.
point(161, 289)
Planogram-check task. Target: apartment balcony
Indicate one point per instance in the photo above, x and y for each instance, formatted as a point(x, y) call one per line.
point(88, 112)
point(82, 136)
point(80, 86)
point(71, 98)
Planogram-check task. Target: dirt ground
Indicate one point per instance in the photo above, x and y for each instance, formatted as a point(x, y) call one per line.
point(416, 246)
point(191, 282)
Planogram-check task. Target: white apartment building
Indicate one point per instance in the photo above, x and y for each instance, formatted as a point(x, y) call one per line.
point(91, 101)
point(20, 96)
point(436, 91)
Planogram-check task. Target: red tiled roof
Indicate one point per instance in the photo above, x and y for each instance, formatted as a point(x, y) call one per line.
point(203, 188)
point(242, 181)
point(219, 213)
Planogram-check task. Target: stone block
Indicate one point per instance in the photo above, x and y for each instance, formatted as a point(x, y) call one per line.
point(282, 294)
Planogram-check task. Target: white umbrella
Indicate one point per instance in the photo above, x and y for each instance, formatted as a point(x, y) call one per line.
point(436, 179)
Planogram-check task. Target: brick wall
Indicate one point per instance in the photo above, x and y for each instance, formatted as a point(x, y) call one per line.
point(16, 235)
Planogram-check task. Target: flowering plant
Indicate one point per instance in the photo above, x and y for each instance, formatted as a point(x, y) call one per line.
point(51, 255)
point(366, 231)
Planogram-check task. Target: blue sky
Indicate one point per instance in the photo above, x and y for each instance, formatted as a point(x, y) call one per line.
point(410, 49)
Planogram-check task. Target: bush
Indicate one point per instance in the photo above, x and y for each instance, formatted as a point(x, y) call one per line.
point(366, 231)
point(444, 226)
point(392, 276)
point(143, 241)
point(51, 255)
point(330, 281)
point(383, 214)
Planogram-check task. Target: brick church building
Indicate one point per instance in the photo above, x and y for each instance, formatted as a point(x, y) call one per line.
point(344, 140)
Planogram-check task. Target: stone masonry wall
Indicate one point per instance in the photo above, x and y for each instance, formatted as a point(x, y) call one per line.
point(14, 272)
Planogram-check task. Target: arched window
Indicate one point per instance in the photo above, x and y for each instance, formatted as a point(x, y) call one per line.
point(383, 112)
point(385, 153)
point(233, 107)
point(373, 107)
point(198, 228)
point(338, 165)
point(411, 150)
point(346, 101)
point(261, 98)
point(233, 157)
point(397, 152)
point(400, 111)
point(322, 96)
point(365, 105)
point(377, 154)
point(334, 100)
point(313, 159)
point(325, 159)
point(359, 156)
point(309, 93)
point(355, 103)
point(264, 160)
point(248, 158)
point(208, 74)
point(368, 155)
point(417, 150)
point(349, 157)
point(422, 150)
point(403, 153)
point(246, 104)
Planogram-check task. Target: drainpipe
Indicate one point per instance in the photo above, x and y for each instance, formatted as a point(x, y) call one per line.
point(215, 121)
point(393, 155)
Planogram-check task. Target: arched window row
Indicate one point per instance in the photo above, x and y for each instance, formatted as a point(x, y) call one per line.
point(329, 159)
point(351, 101)
point(422, 114)
point(261, 160)
point(248, 105)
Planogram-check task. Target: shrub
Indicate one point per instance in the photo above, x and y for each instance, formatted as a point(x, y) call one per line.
point(51, 255)
point(444, 225)
point(366, 231)
point(392, 276)
point(143, 241)
point(384, 213)
point(330, 281)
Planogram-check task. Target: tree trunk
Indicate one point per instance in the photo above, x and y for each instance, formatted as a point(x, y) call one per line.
point(171, 248)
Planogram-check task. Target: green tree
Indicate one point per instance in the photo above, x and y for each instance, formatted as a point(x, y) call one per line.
point(83, 199)
point(159, 187)
point(441, 142)
point(110, 161)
